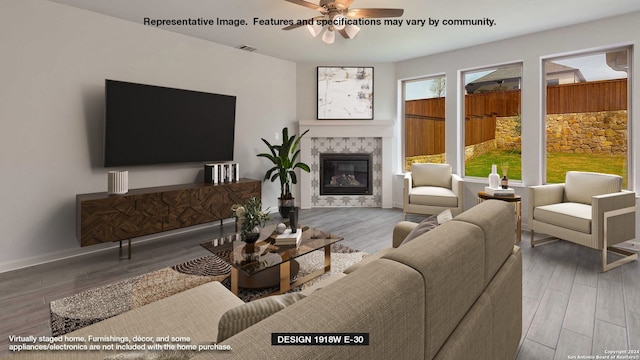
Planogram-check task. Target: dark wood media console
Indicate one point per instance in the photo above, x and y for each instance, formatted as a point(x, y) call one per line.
point(102, 218)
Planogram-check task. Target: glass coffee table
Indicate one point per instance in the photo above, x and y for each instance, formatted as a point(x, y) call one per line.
point(265, 264)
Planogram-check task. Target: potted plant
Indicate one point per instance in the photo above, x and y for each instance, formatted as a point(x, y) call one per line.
point(251, 219)
point(285, 160)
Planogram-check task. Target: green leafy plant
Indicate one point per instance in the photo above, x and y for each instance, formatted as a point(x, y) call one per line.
point(285, 160)
point(250, 216)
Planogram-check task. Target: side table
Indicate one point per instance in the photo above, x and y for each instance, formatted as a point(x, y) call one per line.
point(516, 200)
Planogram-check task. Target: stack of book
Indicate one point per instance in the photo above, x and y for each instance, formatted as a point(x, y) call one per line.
point(221, 172)
point(499, 191)
point(288, 238)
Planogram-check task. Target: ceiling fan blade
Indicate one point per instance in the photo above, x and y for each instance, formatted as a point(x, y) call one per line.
point(375, 13)
point(295, 26)
point(291, 27)
point(306, 4)
point(343, 4)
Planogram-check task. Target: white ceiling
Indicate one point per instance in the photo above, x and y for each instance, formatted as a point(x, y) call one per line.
point(373, 43)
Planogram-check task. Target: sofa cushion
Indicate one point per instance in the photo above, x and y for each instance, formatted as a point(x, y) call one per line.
point(569, 215)
point(245, 315)
point(367, 260)
point(400, 232)
point(431, 175)
point(451, 260)
point(434, 196)
point(385, 299)
point(497, 220)
point(193, 313)
point(424, 226)
point(580, 186)
point(323, 282)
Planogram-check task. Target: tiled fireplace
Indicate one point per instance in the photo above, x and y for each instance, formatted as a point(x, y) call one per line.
point(350, 163)
point(346, 173)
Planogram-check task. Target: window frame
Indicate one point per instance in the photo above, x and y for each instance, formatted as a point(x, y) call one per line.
point(462, 115)
point(543, 114)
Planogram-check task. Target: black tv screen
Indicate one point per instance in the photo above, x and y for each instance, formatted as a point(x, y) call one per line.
point(147, 124)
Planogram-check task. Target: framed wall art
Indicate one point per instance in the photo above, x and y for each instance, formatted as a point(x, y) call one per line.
point(345, 93)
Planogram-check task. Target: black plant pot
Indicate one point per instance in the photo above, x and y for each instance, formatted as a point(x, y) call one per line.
point(285, 206)
point(251, 237)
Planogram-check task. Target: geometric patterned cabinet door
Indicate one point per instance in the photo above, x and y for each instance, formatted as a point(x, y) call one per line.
point(102, 218)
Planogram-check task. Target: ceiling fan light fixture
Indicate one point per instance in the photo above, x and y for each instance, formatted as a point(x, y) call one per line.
point(339, 22)
point(352, 31)
point(329, 36)
point(314, 29)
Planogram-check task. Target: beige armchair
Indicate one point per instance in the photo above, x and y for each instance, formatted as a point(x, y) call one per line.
point(431, 189)
point(589, 209)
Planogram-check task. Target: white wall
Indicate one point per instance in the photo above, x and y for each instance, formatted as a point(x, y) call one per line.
point(529, 50)
point(55, 59)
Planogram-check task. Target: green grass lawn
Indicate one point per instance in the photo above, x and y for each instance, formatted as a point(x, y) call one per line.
point(557, 165)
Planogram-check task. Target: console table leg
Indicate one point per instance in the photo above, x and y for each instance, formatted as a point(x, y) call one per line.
point(128, 248)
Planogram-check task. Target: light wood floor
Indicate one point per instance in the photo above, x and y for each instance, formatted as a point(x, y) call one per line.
point(569, 306)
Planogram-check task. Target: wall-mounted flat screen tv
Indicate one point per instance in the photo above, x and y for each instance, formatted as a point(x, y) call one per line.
point(147, 124)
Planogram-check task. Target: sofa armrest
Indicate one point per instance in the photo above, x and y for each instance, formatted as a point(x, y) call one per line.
point(622, 227)
point(543, 195)
point(401, 230)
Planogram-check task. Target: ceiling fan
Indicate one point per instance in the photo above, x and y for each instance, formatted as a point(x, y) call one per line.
point(337, 16)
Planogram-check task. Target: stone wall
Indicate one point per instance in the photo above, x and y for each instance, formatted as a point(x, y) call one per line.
point(508, 130)
point(436, 158)
point(603, 132)
point(473, 151)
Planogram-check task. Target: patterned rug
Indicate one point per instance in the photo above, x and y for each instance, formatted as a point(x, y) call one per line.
point(88, 307)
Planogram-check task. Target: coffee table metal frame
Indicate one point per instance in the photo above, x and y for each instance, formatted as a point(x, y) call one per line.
point(312, 240)
point(285, 274)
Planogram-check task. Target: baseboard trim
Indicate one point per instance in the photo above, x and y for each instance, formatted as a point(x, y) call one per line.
point(83, 251)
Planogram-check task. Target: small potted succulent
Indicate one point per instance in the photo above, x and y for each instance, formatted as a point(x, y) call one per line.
point(250, 219)
point(285, 160)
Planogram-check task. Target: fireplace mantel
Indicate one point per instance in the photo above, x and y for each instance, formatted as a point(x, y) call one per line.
point(348, 128)
point(382, 129)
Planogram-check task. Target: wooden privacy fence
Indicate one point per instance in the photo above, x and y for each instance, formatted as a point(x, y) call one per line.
point(424, 127)
point(606, 95)
point(424, 136)
point(424, 119)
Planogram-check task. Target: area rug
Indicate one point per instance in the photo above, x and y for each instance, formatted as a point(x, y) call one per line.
point(88, 307)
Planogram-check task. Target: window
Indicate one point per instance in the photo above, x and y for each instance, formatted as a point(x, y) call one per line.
point(587, 114)
point(492, 124)
point(424, 101)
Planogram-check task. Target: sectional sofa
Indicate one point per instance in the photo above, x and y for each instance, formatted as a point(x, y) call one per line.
point(454, 292)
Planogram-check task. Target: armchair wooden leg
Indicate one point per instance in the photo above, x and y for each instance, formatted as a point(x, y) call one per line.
point(404, 216)
point(628, 257)
point(541, 241)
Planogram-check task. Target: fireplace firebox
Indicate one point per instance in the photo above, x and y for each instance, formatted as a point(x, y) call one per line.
point(346, 174)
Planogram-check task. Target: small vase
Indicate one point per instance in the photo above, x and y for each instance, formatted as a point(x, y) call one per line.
point(494, 178)
point(285, 206)
point(505, 182)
